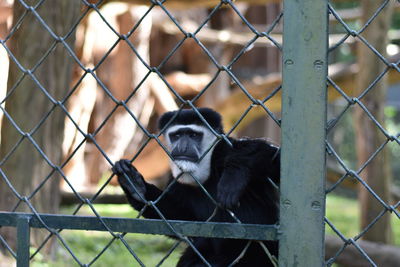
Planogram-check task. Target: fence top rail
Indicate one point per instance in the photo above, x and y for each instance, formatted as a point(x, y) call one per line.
point(147, 226)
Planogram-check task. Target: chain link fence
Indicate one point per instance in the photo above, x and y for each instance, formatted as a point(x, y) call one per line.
point(364, 101)
point(118, 228)
point(304, 128)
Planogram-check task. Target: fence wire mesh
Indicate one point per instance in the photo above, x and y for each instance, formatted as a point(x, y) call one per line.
point(58, 103)
point(31, 13)
point(359, 100)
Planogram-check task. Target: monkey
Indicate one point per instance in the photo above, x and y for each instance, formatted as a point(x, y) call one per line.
point(241, 176)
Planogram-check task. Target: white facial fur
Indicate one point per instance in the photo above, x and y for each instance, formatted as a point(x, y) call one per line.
point(199, 170)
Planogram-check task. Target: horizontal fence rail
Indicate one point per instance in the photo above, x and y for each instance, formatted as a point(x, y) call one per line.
point(148, 226)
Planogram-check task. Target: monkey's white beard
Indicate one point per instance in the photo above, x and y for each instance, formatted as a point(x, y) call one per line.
point(200, 170)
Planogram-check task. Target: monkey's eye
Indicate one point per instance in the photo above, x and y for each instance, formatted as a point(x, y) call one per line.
point(195, 135)
point(175, 135)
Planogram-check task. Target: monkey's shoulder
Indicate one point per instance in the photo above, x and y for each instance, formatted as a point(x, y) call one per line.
point(247, 146)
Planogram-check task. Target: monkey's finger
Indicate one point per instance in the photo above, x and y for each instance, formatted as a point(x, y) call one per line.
point(229, 202)
point(133, 173)
point(127, 184)
point(129, 165)
point(125, 161)
point(130, 169)
point(228, 199)
point(117, 169)
point(222, 198)
point(126, 167)
point(142, 186)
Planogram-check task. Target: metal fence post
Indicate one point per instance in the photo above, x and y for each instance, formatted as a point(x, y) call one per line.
point(303, 133)
point(23, 241)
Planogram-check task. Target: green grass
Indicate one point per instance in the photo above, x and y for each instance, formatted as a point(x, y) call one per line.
point(345, 215)
point(86, 245)
point(150, 249)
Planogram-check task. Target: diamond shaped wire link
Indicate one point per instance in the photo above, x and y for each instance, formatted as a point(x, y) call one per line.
point(170, 251)
point(29, 135)
point(114, 235)
point(52, 231)
point(91, 137)
point(395, 209)
point(54, 167)
point(4, 243)
point(105, 122)
point(355, 175)
point(351, 32)
point(347, 242)
point(190, 103)
point(31, 71)
point(387, 208)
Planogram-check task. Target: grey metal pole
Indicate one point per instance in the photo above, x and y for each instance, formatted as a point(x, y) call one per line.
point(23, 241)
point(305, 45)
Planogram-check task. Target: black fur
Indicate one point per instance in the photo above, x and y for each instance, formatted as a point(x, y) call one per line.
point(238, 180)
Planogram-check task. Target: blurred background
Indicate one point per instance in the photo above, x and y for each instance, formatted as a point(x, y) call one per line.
point(94, 96)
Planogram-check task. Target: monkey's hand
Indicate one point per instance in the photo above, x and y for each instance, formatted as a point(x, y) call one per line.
point(231, 186)
point(130, 179)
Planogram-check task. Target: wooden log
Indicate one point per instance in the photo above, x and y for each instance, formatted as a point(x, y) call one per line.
point(117, 73)
point(260, 87)
point(222, 36)
point(199, 3)
point(5, 18)
point(4, 64)
point(120, 72)
point(188, 84)
point(163, 96)
point(238, 37)
point(5, 12)
point(233, 107)
point(380, 254)
point(69, 198)
point(191, 4)
point(80, 108)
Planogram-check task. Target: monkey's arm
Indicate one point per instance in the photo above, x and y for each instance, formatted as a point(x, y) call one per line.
point(267, 162)
point(139, 193)
point(248, 159)
point(233, 182)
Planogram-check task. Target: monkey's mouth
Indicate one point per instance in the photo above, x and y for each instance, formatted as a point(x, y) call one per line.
point(185, 158)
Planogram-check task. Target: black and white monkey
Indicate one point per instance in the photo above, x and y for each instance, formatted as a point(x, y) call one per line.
point(238, 177)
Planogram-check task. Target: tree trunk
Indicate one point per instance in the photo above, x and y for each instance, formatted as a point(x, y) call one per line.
point(368, 136)
point(25, 168)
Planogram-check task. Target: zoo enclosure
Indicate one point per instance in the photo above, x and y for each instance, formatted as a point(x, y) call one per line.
point(304, 84)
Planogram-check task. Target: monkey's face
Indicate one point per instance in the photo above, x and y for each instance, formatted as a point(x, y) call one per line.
point(189, 146)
